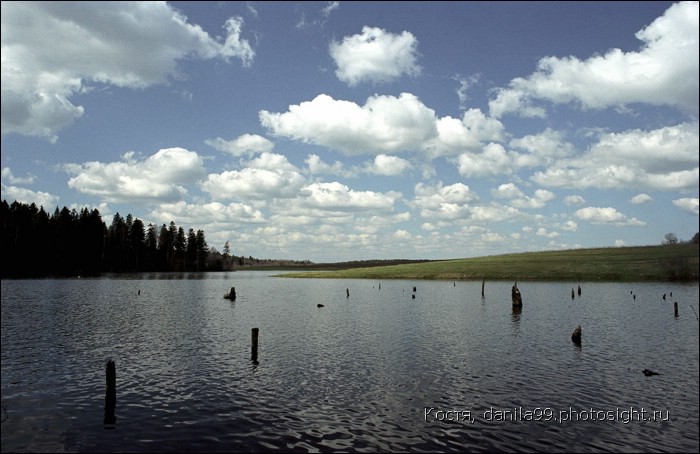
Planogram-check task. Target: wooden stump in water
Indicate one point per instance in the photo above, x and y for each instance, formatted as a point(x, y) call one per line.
point(576, 335)
point(254, 345)
point(231, 295)
point(515, 296)
point(110, 393)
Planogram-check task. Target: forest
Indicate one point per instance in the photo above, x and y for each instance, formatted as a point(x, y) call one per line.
point(71, 242)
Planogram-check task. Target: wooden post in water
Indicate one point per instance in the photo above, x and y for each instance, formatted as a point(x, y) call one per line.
point(675, 309)
point(516, 296)
point(572, 293)
point(576, 335)
point(254, 347)
point(347, 293)
point(110, 393)
point(483, 281)
point(579, 290)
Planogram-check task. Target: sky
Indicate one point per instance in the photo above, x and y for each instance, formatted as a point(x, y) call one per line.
point(336, 131)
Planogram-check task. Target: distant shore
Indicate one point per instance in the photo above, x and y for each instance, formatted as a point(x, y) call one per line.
point(620, 264)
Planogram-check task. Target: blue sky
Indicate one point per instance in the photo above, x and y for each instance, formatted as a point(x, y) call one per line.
point(334, 131)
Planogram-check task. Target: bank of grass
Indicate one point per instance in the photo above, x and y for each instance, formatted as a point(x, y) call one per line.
point(627, 264)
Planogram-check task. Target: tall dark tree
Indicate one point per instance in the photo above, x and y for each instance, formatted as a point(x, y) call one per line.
point(202, 250)
point(180, 249)
point(151, 248)
point(191, 255)
point(137, 245)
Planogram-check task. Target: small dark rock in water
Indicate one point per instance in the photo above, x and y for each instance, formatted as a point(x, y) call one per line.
point(649, 373)
point(319, 305)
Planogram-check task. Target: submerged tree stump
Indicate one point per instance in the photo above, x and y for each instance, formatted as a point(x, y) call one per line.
point(231, 295)
point(515, 296)
point(576, 335)
point(110, 393)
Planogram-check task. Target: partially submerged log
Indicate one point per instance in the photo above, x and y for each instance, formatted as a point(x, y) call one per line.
point(576, 335)
point(231, 295)
point(515, 296)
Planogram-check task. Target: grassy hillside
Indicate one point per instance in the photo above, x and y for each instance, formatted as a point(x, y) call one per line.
point(645, 263)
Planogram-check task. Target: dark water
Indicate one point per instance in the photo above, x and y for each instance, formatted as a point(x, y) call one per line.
point(378, 371)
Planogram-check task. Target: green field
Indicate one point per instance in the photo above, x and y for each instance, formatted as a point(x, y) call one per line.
point(644, 263)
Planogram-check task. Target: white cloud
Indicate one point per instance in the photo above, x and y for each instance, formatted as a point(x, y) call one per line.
point(519, 199)
point(443, 202)
point(158, 178)
point(269, 176)
point(664, 72)
point(317, 166)
point(620, 243)
point(608, 215)
point(24, 195)
point(456, 136)
point(376, 56)
point(246, 144)
point(465, 83)
point(212, 214)
point(53, 50)
point(335, 196)
point(547, 234)
point(385, 124)
point(8, 176)
point(574, 200)
point(688, 204)
point(569, 226)
point(388, 165)
point(660, 159)
point(542, 149)
point(641, 199)
point(493, 160)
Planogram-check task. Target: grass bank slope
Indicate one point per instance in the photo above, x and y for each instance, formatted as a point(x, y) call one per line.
point(643, 263)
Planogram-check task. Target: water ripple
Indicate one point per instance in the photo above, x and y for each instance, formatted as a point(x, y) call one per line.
point(359, 374)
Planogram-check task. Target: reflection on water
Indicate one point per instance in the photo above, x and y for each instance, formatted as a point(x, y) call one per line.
point(378, 370)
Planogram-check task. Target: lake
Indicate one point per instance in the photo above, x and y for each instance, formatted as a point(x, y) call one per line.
point(383, 369)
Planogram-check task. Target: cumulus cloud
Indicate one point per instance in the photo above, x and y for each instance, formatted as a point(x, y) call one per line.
point(158, 178)
point(375, 55)
point(519, 200)
point(641, 199)
point(24, 195)
point(337, 196)
point(388, 165)
point(269, 176)
point(607, 215)
point(542, 149)
point(9, 177)
point(492, 160)
point(664, 72)
point(247, 144)
point(214, 214)
point(688, 204)
point(660, 159)
point(456, 136)
point(574, 200)
point(441, 202)
point(317, 166)
point(385, 124)
point(54, 50)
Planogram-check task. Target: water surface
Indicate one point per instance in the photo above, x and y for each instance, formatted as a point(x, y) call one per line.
point(385, 369)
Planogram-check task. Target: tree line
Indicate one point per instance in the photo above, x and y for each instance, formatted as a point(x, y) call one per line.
point(71, 242)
